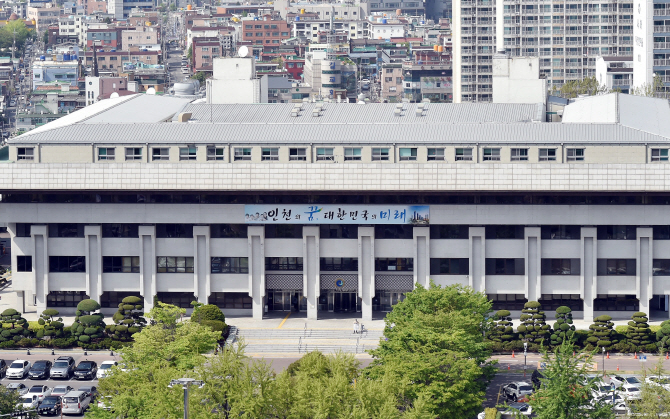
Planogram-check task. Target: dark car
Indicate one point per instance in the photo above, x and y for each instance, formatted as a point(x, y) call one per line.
point(3, 368)
point(86, 370)
point(50, 406)
point(91, 390)
point(41, 370)
point(536, 379)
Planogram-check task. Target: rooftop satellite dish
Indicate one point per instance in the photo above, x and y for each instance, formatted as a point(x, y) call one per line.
point(243, 51)
point(113, 95)
point(151, 91)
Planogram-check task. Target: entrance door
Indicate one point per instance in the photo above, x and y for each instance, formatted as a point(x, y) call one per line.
point(345, 302)
point(284, 300)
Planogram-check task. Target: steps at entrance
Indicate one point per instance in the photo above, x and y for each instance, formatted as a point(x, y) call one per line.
point(308, 334)
point(297, 341)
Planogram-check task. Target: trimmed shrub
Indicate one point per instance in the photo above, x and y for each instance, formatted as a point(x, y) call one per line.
point(207, 312)
point(53, 325)
point(533, 327)
point(638, 333)
point(128, 319)
point(502, 330)
point(215, 325)
point(88, 325)
point(15, 324)
point(663, 336)
point(563, 328)
point(602, 334)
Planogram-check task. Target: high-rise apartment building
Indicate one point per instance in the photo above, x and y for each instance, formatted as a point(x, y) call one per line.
point(566, 35)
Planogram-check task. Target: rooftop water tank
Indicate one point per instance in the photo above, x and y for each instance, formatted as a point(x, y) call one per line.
point(297, 18)
point(42, 58)
point(66, 57)
point(384, 21)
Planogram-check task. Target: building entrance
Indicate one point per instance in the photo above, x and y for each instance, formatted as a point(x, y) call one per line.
point(385, 300)
point(341, 302)
point(279, 300)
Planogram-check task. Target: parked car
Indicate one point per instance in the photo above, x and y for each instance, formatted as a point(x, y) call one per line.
point(619, 380)
point(514, 409)
point(105, 368)
point(3, 364)
point(517, 390)
point(41, 391)
point(103, 403)
point(29, 402)
point(630, 391)
point(18, 387)
point(91, 390)
point(18, 369)
point(63, 367)
point(40, 370)
point(61, 390)
point(86, 370)
point(50, 406)
point(600, 389)
point(76, 402)
point(662, 381)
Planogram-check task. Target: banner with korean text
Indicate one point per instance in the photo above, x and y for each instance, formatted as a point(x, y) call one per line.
point(337, 214)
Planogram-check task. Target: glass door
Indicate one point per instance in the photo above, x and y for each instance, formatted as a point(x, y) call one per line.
point(331, 301)
point(287, 300)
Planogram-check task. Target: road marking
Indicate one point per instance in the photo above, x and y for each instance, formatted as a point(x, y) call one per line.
point(283, 321)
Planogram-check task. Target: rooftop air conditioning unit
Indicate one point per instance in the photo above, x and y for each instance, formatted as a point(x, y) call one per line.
point(398, 112)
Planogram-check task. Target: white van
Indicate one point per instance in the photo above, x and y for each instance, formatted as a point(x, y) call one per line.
point(76, 402)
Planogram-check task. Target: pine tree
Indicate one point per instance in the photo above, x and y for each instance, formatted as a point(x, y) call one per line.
point(663, 336)
point(533, 327)
point(638, 333)
point(502, 330)
point(128, 319)
point(602, 333)
point(563, 328)
point(88, 325)
point(14, 326)
point(53, 327)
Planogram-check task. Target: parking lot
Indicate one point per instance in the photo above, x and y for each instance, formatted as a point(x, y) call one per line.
point(98, 357)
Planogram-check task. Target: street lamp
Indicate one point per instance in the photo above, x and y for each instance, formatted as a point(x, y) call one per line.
point(186, 383)
point(603, 361)
point(525, 352)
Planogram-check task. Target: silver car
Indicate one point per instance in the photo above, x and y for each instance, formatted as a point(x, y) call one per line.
point(76, 402)
point(63, 367)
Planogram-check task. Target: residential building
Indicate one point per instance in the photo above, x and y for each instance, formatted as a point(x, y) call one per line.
point(267, 31)
point(234, 80)
point(99, 88)
point(116, 61)
point(104, 38)
point(121, 9)
point(615, 73)
point(43, 16)
point(45, 72)
point(205, 50)
point(391, 82)
point(141, 35)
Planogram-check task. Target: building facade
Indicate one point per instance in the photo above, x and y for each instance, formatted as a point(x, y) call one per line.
point(320, 207)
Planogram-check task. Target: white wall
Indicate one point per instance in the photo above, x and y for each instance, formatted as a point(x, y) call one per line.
point(517, 80)
point(643, 42)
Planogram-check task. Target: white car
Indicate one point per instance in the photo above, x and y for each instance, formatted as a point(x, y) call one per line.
point(18, 387)
point(662, 381)
point(600, 389)
point(630, 392)
point(29, 402)
point(619, 380)
point(105, 368)
point(40, 391)
point(184, 71)
point(18, 369)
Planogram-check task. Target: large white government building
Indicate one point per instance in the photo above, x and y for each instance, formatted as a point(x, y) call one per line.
point(327, 207)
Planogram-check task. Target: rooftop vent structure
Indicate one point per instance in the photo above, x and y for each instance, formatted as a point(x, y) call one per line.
point(397, 112)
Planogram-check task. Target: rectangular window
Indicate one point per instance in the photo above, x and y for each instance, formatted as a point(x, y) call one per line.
point(443, 266)
point(394, 264)
point(270, 154)
point(66, 230)
point(435, 154)
point(661, 267)
point(560, 232)
point(120, 230)
point(394, 231)
point(339, 231)
point(125, 264)
point(228, 231)
point(237, 265)
point(560, 267)
point(380, 154)
point(352, 154)
point(449, 231)
point(463, 154)
point(25, 153)
point(297, 154)
point(24, 264)
point(407, 154)
point(339, 264)
point(242, 154)
point(187, 153)
point(174, 264)
point(547, 154)
point(504, 232)
point(283, 264)
point(106, 153)
point(324, 154)
point(181, 231)
point(616, 266)
point(65, 298)
point(133, 153)
point(519, 154)
point(616, 232)
point(67, 264)
point(575, 154)
point(659, 154)
point(660, 232)
point(491, 154)
point(162, 153)
point(505, 266)
point(283, 231)
point(22, 230)
point(214, 153)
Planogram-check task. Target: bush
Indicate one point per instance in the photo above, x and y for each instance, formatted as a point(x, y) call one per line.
point(63, 342)
point(88, 325)
point(502, 330)
point(638, 333)
point(215, 325)
point(602, 333)
point(128, 319)
point(533, 327)
point(663, 335)
point(563, 328)
point(207, 312)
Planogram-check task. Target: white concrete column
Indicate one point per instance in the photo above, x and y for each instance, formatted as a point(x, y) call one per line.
point(589, 270)
point(366, 270)
point(201, 263)
point(40, 285)
point(311, 284)
point(532, 263)
point(644, 267)
point(256, 252)
point(93, 235)
point(477, 256)
point(421, 236)
point(147, 237)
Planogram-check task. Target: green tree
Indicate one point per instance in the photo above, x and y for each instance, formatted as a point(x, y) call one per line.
point(435, 349)
point(638, 333)
point(655, 88)
point(8, 401)
point(533, 327)
point(563, 328)
point(663, 336)
point(189, 54)
point(128, 319)
point(209, 315)
point(563, 394)
point(502, 329)
point(654, 400)
point(200, 76)
point(88, 324)
point(14, 326)
point(573, 88)
point(602, 333)
point(53, 325)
